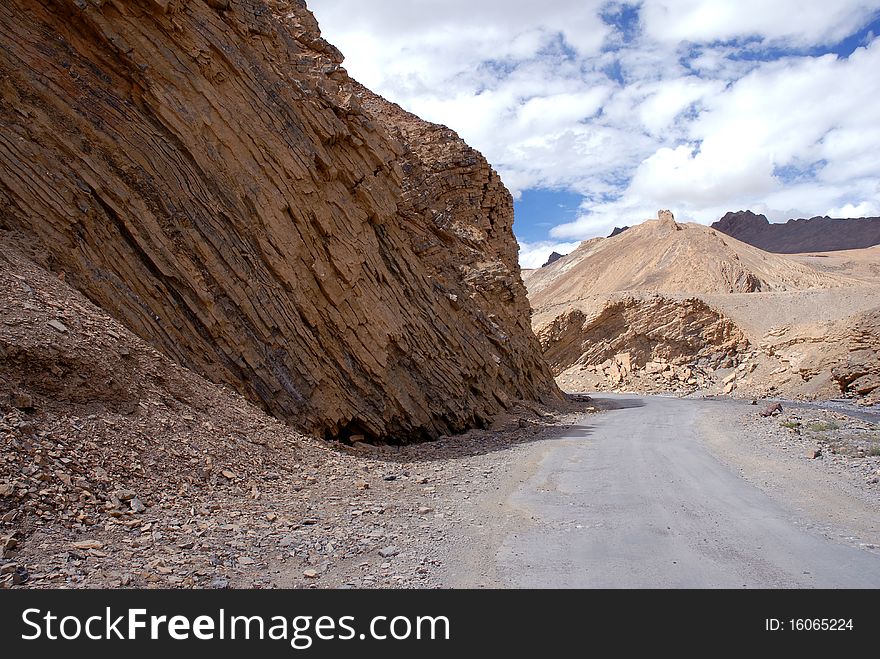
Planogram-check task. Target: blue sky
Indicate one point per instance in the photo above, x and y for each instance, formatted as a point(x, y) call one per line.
point(598, 113)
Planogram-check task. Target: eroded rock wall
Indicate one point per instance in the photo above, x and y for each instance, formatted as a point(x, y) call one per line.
point(654, 329)
point(208, 173)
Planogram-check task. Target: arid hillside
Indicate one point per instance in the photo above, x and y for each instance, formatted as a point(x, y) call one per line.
point(208, 174)
point(666, 306)
point(666, 256)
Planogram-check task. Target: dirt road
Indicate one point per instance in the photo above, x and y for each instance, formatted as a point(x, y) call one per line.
point(658, 493)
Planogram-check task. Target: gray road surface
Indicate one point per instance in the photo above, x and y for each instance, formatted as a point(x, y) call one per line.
point(634, 499)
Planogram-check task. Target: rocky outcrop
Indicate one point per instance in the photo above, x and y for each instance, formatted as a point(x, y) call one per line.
point(672, 341)
point(837, 359)
point(818, 234)
point(209, 174)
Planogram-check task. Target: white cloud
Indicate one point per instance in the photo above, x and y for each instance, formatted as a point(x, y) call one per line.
point(685, 112)
point(798, 22)
point(534, 255)
point(864, 209)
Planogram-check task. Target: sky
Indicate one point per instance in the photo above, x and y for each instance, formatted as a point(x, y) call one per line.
point(599, 113)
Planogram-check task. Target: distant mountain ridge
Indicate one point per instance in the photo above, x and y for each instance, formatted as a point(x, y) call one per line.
point(818, 234)
point(554, 257)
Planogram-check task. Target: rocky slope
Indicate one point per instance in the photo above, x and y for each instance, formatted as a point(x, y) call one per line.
point(818, 234)
point(208, 173)
point(120, 468)
point(679, 307)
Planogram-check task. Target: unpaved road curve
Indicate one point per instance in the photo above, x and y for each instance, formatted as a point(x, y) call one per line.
point(636, 498)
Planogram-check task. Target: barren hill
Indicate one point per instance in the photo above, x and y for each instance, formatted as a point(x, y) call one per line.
point(669, 306)
point(208, 174)
point(669, 257)
point(817, 234)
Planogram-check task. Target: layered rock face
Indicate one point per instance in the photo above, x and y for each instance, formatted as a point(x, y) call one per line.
point(818, 234)
point(633, 340)
point(656, 329)
point(208, 174)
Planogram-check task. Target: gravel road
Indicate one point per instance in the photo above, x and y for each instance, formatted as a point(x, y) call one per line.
point(646, 495)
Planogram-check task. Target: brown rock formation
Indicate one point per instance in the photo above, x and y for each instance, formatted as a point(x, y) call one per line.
point(671, 339)
point(654, 329)
point(209, 174)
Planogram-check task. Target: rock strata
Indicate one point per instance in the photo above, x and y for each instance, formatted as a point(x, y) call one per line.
point(210, 175)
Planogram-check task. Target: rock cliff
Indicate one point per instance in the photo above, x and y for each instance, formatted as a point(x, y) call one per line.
point(208, 173)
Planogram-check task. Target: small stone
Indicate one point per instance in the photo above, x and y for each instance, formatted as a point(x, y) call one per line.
point(88, 544)
point(815, 454)
point(388, 552)
point(23, 401)
point(271, 517)
point(137, 505)
point(389, 477)
point(310, 574)
point(20, 576)
point(362, 485)
point(125, 495)
point(229, 475)
point(6, 490)
point(771, 410)
point(354, 439)
point(219, 583)
point(58, 326)
point(424, 510)
point(245, 560)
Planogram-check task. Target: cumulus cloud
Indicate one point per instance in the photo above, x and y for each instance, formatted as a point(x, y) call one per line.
point(534, 255)
point(701, 106)
point(796, 22)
